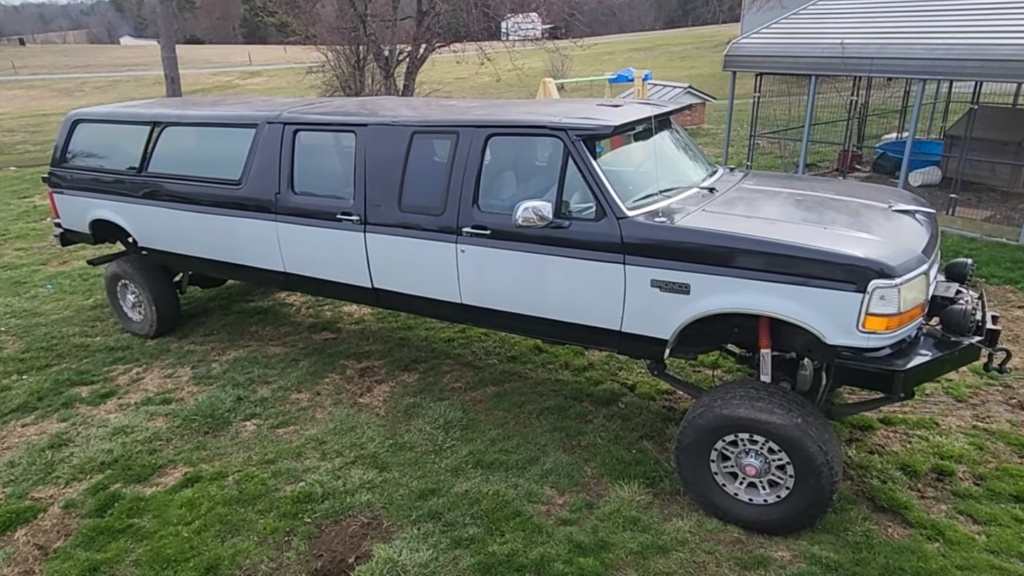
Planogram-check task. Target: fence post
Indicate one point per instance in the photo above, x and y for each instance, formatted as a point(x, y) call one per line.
point(1016, 96)
point(911, 132)
point(14, 67)
point(808, 118)
point(728, 119)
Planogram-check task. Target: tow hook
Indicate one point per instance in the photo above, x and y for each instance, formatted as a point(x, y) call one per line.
point(1003, 366)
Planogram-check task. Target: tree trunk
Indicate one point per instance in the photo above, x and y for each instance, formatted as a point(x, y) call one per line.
point(168, 51)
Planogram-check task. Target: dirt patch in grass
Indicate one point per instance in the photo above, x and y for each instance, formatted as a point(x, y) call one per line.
point(372, 385)
point(891, 526)
point(368, 383)
point(290, 433)
point(250, 426)
point(356, 311)
point(138, 383)
point(340, 546)
point(168, 477)
point(556, 504)
point(34, 542)
point(890, 438)
point(54, 495)
point(24, 431)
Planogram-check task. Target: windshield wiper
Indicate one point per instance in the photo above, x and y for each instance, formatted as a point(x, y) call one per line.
point(663, 192)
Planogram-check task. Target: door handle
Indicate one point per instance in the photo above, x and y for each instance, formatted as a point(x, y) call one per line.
point(475, 231)
point(348, 217)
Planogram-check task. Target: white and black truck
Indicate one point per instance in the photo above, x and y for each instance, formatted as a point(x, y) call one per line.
point(585, 222)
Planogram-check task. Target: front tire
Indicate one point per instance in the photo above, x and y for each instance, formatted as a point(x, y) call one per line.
point(759, 456)
point(142, 296)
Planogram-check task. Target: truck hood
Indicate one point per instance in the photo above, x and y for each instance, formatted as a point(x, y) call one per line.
point(879, 223)
point(796, 226)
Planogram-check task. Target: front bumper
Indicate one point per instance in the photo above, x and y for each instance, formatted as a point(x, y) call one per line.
point(897, 370)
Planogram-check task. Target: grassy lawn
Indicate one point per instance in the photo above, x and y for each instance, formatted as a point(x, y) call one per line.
point(282, 434)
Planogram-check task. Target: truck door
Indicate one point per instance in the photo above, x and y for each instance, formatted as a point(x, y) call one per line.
point(552, 277)
point(321, 208)
point(412, 183)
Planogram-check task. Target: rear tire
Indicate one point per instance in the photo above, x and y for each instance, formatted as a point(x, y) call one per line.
point(142, 296)
point(759, 456)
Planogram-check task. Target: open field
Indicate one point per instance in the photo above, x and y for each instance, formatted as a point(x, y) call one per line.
point(32, 110)
point(284, 434)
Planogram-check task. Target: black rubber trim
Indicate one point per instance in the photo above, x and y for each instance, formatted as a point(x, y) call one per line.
point(432, 235)
point(547, 250)
point(739, 273)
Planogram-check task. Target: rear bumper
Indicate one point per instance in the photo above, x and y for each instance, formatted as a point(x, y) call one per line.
point(65, 238)
point(897, 370)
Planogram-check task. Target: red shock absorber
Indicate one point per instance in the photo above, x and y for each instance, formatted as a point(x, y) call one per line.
point(764, 342)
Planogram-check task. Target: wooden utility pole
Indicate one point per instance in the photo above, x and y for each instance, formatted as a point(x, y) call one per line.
point(167, 24)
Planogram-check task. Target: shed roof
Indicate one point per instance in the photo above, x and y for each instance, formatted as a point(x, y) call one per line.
point(933, 39)
point(671, 92)
point(996, 123)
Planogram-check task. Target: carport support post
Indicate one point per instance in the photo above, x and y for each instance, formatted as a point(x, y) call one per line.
point(808, 118)
point(911, 132)
point(728, 119)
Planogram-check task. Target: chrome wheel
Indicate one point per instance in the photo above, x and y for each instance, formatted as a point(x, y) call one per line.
point(752, 468)
point(131, 301)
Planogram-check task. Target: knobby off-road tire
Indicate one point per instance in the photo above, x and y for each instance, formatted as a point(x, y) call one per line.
point(772, 440)
point(142, 296)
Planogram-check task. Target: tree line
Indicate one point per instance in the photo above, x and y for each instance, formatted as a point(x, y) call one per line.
point(287, 21)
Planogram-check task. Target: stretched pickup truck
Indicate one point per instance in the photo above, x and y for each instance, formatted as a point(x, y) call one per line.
point(592, 223)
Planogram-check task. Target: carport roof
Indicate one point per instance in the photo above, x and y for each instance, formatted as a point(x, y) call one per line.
point(932, 39)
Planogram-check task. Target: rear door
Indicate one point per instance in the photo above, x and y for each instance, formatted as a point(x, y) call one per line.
point(321, 207)
point(413, 177)
point(567, 276)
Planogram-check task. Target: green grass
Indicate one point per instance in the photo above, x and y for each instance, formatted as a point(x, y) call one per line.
point(479, 429)
point(225, 445)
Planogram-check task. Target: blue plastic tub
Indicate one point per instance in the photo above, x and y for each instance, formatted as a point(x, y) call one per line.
point(924, 153)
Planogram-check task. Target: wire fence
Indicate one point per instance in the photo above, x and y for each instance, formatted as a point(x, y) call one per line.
point(971, 133)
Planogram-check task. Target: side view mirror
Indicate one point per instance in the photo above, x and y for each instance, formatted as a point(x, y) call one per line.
point(533, 214)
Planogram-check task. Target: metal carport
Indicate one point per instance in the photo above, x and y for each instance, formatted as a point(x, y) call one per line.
point(961, 40)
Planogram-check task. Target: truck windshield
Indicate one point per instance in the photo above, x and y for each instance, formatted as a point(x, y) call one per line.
point(651, 162)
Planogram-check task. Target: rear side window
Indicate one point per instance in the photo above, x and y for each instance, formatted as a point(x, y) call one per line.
point(107, 146)
point(427, 170)
point(324, 164)
point(215, 152)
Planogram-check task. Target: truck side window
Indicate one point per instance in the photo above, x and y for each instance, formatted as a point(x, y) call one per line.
point(324, 164)
point(517, 168)
point(107, 146)
point(427, 171)
point(215, 152)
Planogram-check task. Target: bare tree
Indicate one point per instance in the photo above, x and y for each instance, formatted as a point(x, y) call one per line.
point(380, 46)
point(168, 27)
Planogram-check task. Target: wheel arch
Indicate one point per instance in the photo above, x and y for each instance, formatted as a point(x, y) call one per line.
point(109, 228)
point(788, 333)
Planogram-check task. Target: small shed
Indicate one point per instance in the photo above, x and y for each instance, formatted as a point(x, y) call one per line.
point(678, 93)
point(997, 137)
point(133, 41)
point(525, 26)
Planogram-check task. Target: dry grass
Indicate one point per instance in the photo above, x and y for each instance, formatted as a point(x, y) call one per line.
point(31, 545)
point(138, 383)
point(166, 479)
point(25, 431)
point(57, 58)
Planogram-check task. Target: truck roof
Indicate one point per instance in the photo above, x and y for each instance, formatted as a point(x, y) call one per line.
point(561, 113)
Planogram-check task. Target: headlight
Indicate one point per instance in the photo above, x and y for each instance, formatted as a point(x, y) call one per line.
point(890, 308)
